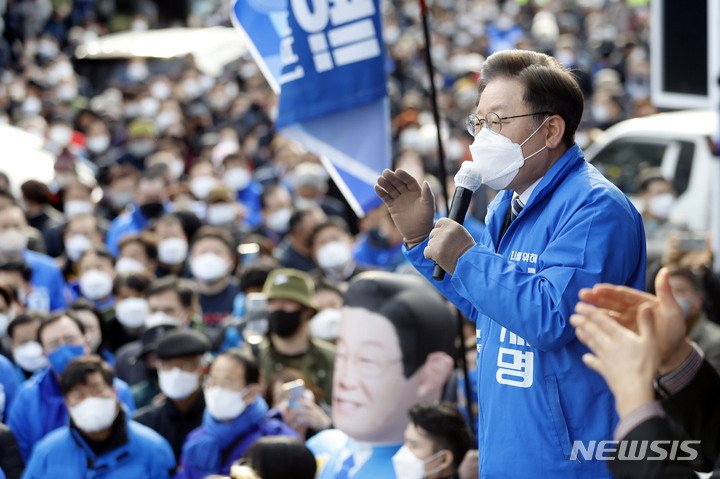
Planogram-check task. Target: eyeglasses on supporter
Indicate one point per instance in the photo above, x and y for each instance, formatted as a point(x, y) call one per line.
point(492, 121)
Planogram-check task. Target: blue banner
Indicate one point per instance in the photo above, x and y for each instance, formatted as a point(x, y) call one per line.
point(327, 61)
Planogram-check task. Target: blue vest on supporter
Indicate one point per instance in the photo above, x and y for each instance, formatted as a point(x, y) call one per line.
point(39, 408)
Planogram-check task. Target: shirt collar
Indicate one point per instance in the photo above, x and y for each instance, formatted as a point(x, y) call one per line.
point(525, 196)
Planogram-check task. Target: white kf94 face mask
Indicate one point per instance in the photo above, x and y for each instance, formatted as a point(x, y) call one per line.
point(498, 158)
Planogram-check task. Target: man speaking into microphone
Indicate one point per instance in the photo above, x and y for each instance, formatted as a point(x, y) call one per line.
point(556, 226)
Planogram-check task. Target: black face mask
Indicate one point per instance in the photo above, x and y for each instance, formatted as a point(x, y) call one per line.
point(152, 209)
point(284, 324)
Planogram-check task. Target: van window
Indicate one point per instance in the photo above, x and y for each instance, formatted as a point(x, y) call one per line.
point(621, 160)
point(684, 167)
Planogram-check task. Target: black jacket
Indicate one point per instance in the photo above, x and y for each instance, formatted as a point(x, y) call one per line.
point(171, 423)
point(11, 461)
point(692, 414)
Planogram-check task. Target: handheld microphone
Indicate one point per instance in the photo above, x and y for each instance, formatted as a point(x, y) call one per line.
point(467, 180)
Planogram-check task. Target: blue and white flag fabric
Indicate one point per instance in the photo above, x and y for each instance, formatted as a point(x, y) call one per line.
point(326, 59)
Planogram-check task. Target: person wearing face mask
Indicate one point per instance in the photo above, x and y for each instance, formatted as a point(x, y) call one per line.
point(174, 231)
point(180, 372)
point(657, 197)
point(100, 435)
point(224, 211)
point(39, 407)
point(687, 291)
point(40, 214)
point(332, 247)
point(81, 234)
point(236, 415)
point(49, 292)
point(9, 380)
point(95, 328)
point(295, 250)
point(291, 306)
point(27, 353)
point(212, 262)
point(237, 175)
point(96, 273)
point(137, 253)
point(77, 201)
point(556, 226)
point(310, 187)
point(276, 208)
point(379, 243)
point(131, 310)
point(141, 142)
point(150, 198)
point(436, 440)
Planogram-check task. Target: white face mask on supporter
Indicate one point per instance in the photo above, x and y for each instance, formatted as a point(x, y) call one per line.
point(219, 214)
point(178, 384)
point(95, 284)
point(237, 178)
point(76, 245)
point(129, 265)
point(498, 158)
point(74, 208)
point(660, 206)
point(279, 221)
point(94, 414)
point(208, 267)
point(224, 404)
point(132, 312)
point(326, 324)
point(98, 143)
point(172, 251)
point(12, 241)
point(4, 321)
point(159, 318)
point(334, 255)
point(29, 356)
point(408, 466)
point(201, 186)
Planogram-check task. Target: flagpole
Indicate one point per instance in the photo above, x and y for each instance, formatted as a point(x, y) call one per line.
point(433, 99)
point(443, 181)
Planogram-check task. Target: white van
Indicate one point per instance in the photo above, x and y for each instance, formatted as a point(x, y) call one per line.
point(680, 144)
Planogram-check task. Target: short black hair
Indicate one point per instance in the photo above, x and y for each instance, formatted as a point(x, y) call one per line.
point(252, 370)
point(421, 318)
point(445, 426)
point(182, 287)
point(83, 304)
point(335, 221)
point(8, 294)
point(100, 251)
point(19, 266)
point(254, 276)
point(136, 281)
point(146, 239)
point(688, 274)
point(297, 461)
point(215, 233)
point(24, 319)
point(53, 318)
point(78, 369)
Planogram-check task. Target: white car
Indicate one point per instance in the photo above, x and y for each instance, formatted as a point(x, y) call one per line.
point(679, 143)
point(24, 158)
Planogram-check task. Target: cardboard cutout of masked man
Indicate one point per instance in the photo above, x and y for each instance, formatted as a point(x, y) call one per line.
point(393, 350)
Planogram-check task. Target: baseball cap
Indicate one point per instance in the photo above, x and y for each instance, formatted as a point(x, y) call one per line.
point(150, 338)
point(288, 283)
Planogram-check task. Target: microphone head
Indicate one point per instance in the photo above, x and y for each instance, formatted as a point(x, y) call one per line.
point(468, 176)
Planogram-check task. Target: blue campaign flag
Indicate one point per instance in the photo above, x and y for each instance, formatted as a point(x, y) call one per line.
point(327, 61)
